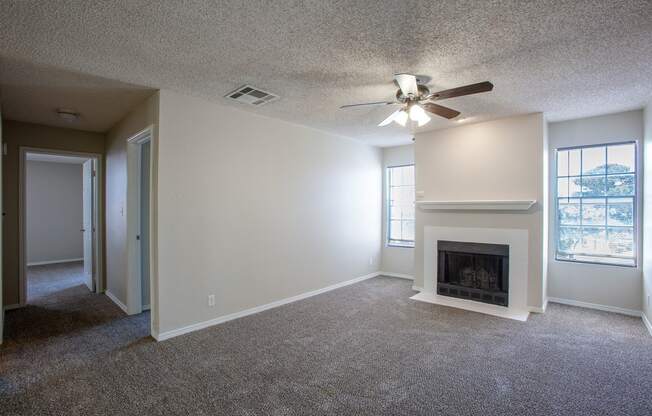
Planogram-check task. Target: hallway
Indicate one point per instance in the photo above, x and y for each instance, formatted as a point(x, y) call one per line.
point(63, 325)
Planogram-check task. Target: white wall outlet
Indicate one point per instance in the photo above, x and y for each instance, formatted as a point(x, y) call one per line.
point(420, 194)
point(371, 261)
point(211, 300)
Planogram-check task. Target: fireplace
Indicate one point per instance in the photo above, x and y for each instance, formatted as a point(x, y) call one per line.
point(473, 271)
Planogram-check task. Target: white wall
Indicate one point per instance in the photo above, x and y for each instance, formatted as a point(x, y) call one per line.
point(54, 211)
point(255, 210)
point(495, 160)
point(395, 260)
point(646, 300)
point(614, 286)
point(141, 117)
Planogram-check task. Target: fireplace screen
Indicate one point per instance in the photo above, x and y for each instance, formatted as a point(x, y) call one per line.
point(474, 271)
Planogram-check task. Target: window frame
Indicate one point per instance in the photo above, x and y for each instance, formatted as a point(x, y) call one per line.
point(388, 240)
point(635, 207)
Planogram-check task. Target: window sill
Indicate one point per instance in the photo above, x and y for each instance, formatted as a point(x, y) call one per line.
point(397, 246)
point(597, 263)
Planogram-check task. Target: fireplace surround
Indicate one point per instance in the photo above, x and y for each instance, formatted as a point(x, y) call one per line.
point(518, 242)
point(473, 271)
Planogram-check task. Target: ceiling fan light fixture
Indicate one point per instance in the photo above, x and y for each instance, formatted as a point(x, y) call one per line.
point(418, 114)
point(401, 118)
point(418, 102)
point(68, 115)
point(389, 119)
point(422, 121)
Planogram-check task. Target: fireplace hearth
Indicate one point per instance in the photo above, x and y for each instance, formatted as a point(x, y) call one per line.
point(473, 271)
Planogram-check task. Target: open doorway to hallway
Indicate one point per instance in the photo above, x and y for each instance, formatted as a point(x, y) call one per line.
point(59, 227)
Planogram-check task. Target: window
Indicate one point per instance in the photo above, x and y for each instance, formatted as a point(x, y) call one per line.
point(596, 204)
point(400, 206)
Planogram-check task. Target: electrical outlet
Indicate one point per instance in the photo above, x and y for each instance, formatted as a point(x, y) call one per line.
point(211, 300)
point(371, 261)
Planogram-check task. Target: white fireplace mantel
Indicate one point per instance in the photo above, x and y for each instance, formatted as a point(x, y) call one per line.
point(479, 205)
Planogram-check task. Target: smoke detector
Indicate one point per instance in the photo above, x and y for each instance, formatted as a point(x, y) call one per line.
point(251, 96)
point(68, 115)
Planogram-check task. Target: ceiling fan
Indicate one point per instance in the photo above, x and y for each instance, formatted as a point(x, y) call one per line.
point(416, 100)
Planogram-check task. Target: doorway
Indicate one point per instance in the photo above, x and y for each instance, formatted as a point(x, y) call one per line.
point(139, 185)
point(60, 241)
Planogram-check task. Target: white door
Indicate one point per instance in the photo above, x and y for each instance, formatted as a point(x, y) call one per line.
point(87, 229)
point(144, 222)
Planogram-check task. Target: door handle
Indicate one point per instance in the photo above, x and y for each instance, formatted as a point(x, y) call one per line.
point(82, 230)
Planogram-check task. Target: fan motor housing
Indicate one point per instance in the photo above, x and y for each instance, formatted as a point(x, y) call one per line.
point(423, 93)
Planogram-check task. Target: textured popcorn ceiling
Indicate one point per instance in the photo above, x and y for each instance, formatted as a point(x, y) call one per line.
point(566, 58)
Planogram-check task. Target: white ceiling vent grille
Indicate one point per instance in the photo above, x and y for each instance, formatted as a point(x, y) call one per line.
point(251, 95)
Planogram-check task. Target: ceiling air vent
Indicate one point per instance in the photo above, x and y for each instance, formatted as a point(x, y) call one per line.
point(252, 96)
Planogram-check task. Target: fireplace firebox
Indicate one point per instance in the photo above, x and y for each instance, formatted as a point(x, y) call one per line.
point(473, 271)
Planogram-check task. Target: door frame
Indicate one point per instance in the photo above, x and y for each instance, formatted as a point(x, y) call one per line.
point(93, 226)
point(134, 255)
point(98, 213)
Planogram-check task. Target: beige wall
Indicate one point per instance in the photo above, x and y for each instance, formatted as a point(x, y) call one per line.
point(141, 117)
point(398, 260)
point(500, 159)
point(255, 210)
point(54, 211)
point(646, 300)
point(17, 134)
point(614, 286)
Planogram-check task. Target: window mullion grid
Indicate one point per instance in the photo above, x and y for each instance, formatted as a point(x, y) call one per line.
point(606, 197)
point(581, 196)
point(402, 223)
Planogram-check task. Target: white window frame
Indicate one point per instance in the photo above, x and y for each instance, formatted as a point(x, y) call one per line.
point(635, 219)
point(388, 241)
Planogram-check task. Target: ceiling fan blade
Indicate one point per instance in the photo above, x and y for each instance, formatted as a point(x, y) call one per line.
point(407, 83)
point(460, 91)
point(440, 110)
point(389, 119)
point(368, 104)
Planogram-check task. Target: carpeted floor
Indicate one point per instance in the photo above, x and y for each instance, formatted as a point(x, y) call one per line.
point(45, 283)
point(364, 349)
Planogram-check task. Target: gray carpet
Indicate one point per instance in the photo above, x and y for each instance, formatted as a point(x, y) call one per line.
point(45, 283)
point(364, 349)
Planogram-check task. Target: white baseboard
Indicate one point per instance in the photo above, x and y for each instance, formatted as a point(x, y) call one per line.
point(537, 309)
point(606, 308)
point(417, 288)
point(116, 301)
point(399, 275)
point(201, 325)
point(647, 323)
point(41, 263)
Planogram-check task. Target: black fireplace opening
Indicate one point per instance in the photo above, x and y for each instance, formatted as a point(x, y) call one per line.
point(474, 271)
